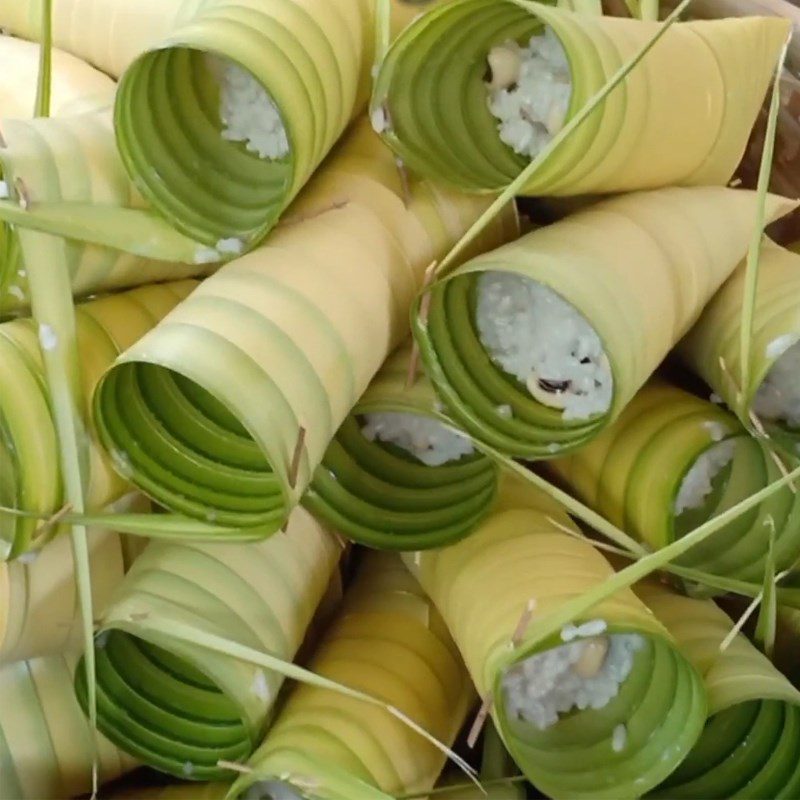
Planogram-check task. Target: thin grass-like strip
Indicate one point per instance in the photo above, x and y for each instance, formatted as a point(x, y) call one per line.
point(690, 238)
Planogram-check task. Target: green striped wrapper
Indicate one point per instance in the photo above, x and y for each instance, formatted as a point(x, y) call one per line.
point(639, 268)
point(179, 706)
point(379, 494)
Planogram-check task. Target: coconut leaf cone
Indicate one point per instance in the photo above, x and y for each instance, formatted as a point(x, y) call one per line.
point(181, 707)
point(388, 641)
point(304, 322)
point(639, 268)
point(431, 93)
point(750, 746)
point(381, 495)
point(64, 177)
point(519, 557)
point(712, 350)
point(75, 85)
point(30, 478)
point(632, 473)
point(46, 747)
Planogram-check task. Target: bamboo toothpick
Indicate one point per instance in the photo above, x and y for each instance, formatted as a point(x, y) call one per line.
point(486, 702)
point(404, 183)
point(424, 309)
point(235, 766)
point(53, 520)
point(22, 191)
point(294, 467)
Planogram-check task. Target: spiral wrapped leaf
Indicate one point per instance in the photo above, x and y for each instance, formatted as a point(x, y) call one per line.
point(29, 473)
point(632, 473)
point(46, 745)
point(750, 746)
point(519, 556)
point(711, 348)
point(181, 707)
point(390, 642)
point(380, 495)
point(638, 268)
point(304, 323)
point(431, 90)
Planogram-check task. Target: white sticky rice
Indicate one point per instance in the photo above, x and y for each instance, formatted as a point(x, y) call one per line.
point(247, 110)
point(530, 332)
point(532, 109)
point(547, 684)
point(423, 437)
point(697, 483)
point(778, 397)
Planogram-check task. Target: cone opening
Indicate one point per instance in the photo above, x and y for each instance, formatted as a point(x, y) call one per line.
point(630, 744)
point(183, 155)
point(438, 119)
point(185, 449)
point(494, 405)
point(380, 495)
point(160, 708)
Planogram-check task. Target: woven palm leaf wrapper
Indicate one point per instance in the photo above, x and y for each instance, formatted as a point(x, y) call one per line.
point(304, 322)
point(313, 58)
point(431, 101)
point(39, 612)
point(46, 747)
point(632, 474)
point(64, 176)
point(522, 559)
point(181, 707)
point(30, 477)
point(75, 85)
point(638, 268)
point(750, 747)
point(712, 349)
point(389, 642)
point(381, 495)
